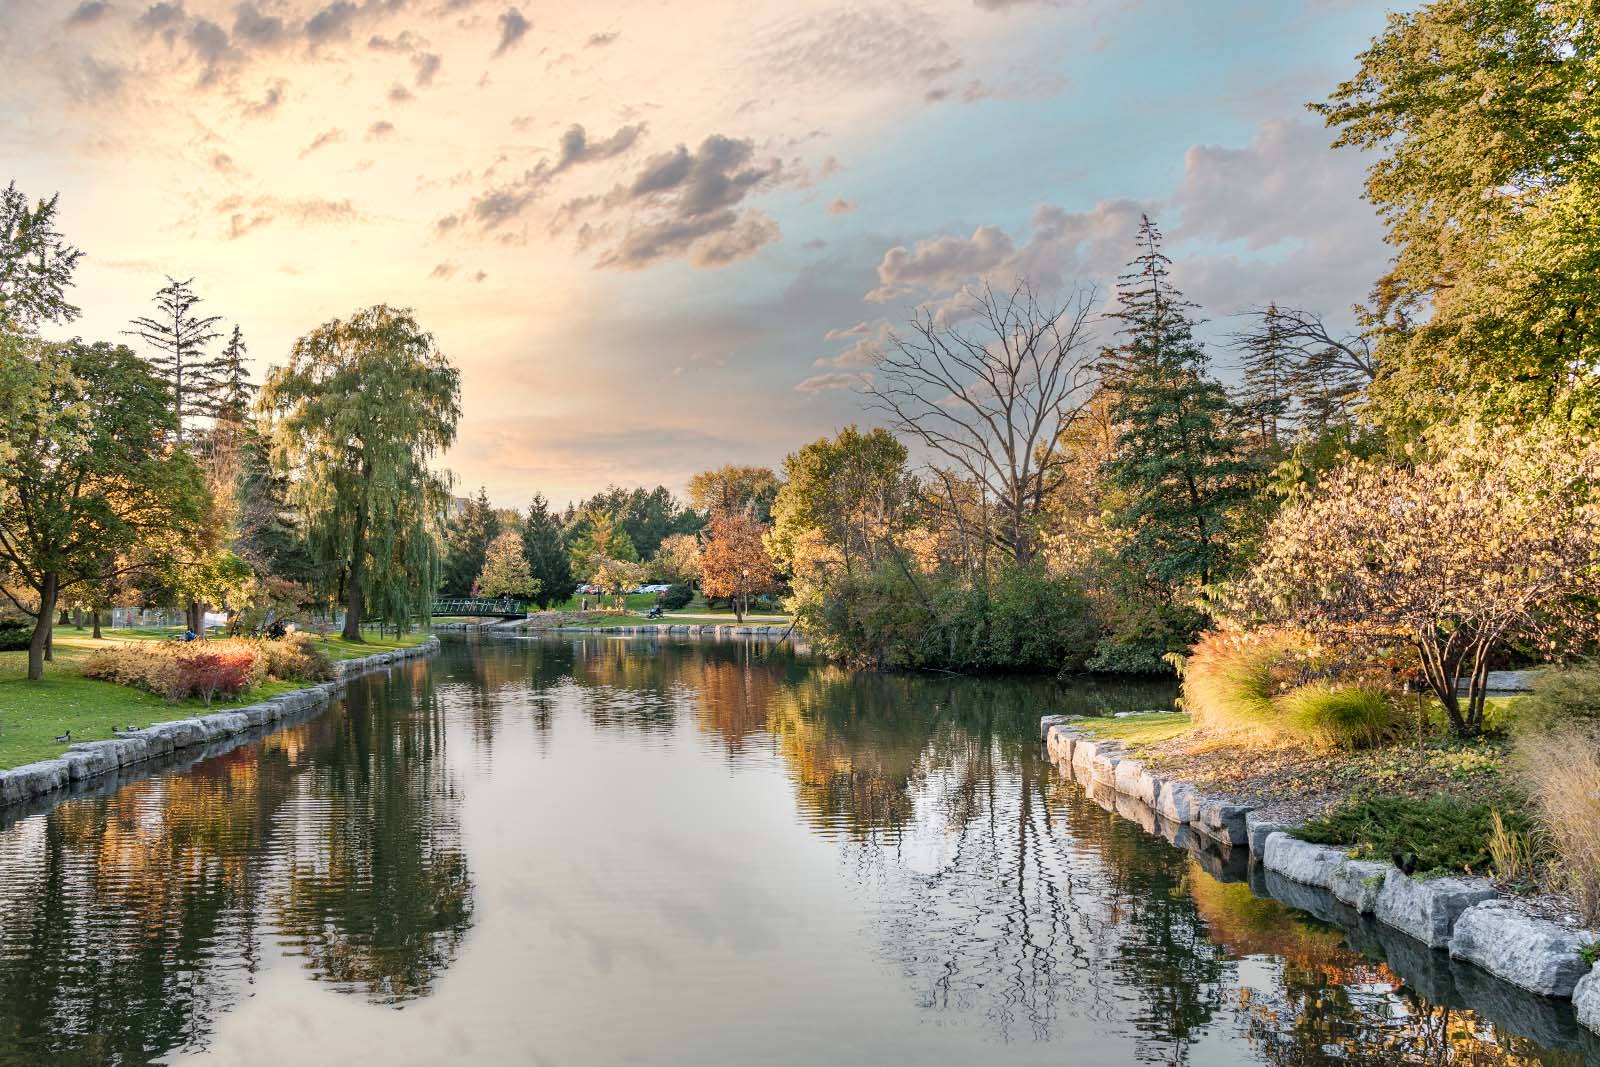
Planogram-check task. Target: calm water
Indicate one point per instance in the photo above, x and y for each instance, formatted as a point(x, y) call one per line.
point(604, 852)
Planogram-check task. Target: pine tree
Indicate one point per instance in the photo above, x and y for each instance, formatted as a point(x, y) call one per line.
point(180, 338)
point(1271, 372)
point(1178, 456)
point(546, 552)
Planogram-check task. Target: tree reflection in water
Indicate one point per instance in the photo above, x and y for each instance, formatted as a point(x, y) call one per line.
point(375, 891)
point(1002, 897)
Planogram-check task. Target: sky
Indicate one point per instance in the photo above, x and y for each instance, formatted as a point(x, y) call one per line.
point(662, 237)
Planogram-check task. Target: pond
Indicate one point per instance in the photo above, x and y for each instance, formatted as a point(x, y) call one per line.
point(595, 851)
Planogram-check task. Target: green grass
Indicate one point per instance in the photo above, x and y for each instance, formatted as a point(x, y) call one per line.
point(33, 714)
point(1138, 729)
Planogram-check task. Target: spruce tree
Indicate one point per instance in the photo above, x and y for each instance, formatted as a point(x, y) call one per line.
point(234, 393)
point(1271, 373)
point(546, 553)
point(1179, 458)
point(180, 337)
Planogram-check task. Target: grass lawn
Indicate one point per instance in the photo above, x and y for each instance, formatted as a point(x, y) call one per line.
point(33, 714)
point(1137, 730)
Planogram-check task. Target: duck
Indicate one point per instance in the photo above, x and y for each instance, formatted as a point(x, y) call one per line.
point(64, 738)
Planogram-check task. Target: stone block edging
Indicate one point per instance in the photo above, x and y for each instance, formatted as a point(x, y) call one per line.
point(1464, 915)
point(87, 760)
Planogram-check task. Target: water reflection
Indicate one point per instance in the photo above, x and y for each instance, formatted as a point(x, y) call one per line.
point(593, 850)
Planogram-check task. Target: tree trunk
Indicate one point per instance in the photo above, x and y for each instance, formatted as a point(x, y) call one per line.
point(94, 617)
point(40, 640)
point(358, 555)
point(63, 621)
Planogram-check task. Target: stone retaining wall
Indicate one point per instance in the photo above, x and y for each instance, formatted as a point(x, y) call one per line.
point(1463, 915)
point(88, 761)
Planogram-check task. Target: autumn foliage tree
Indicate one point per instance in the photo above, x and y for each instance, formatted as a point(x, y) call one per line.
point(1496, 539)
point(734, 562)
point(505, 569)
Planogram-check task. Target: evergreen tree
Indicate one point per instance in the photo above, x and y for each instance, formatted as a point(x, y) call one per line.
point(546, 553)
point(1271, 372)
point(1178, 459)
point(36, 264)
point(467, 544)
point(234, 393)
point(180, 337)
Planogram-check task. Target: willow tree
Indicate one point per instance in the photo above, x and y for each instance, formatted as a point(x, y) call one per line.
point(362, 407)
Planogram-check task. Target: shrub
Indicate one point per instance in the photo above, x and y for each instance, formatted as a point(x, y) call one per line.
point(1560, 769)
point(1272, 684)
point(208, 674)
point(178, 672)
point(1444, 833)
point(296, 658)
point(15, 635)
point(677, 597)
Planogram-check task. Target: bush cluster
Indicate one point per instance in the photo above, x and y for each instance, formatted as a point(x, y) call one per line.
point(15, 634)
point(1445, 834)
point(677, 597)
point(1273, 684)
point(207, 671)
point(1025, 621)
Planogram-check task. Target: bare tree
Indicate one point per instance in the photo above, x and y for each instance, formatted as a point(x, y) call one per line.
point(994, 400)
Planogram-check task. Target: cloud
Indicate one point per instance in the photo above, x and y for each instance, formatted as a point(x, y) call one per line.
point(443, 271)
point(818, 383)
point(255, 29)
point(269, 102)
point(857, 46)
point(223, 163)
point(164, 18)
point(246, 216)
point(600, 40)
point(427, 64)
point(88, 13)
point(505, 203)
point(322, 140)
point(513, 27)
point(841, 207)
point(331, 23)
point(687, 203)
point(866, 348)
point(399, 94)
point(379, 130)
point(91, 80)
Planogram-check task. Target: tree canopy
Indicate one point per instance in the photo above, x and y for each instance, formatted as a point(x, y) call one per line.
point(360, 409)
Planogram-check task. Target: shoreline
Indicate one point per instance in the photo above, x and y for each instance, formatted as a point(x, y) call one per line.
point(519, 628)
point(1446, 928)
point(90, 764)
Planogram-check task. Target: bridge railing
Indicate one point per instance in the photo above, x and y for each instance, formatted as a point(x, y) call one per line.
point(479, 606)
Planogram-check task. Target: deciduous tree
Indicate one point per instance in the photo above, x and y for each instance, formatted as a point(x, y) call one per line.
point(734, 562)
point(86, 473)
point(362, 407)
point(1496, 539)
point(505, 571)
point(735, 488)
point(991, 398)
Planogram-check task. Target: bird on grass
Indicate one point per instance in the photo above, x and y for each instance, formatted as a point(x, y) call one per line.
point(64, 738)
point(1406, 861)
